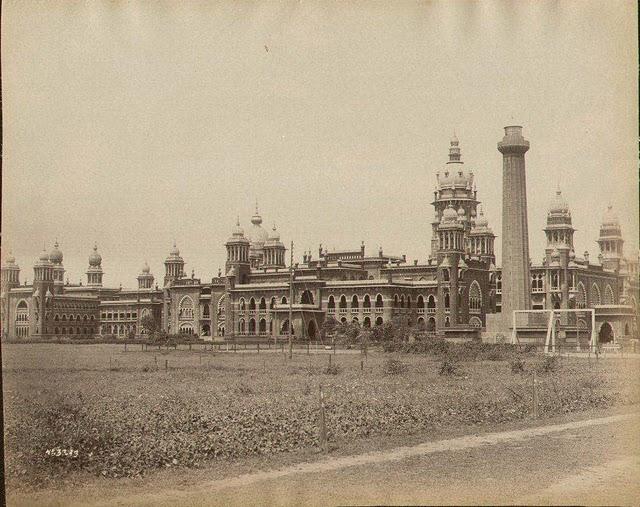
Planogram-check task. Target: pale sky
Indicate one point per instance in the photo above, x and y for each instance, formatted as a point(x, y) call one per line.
point(134, 123)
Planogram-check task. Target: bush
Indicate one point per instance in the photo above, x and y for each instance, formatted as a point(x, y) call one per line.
point(394, 367)
point(548, 364)
point(449, 368)
point(334, 369)
point(517, 365)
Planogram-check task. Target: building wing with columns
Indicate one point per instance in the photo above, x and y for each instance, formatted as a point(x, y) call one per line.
point(451, 293)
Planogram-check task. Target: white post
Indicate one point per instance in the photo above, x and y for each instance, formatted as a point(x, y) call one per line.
point(549, 324)
point(554, 331)
point(513, 331)
point(594, 335)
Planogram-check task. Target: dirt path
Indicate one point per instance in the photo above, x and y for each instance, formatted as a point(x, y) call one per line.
point(445, 471)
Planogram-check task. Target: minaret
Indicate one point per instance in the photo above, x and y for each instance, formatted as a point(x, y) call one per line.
point(450, 266)
point(516, 282)
point(42, 291)
point(610, 241)
point(55, 256)
point(10, 279)
point(94, 273)
point(559, 232)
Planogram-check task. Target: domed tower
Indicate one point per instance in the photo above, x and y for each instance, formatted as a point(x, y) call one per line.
point(274, 250)
point(481, 239)
point(559, 253)
point(42, 291)
point(173, 266)
point(55, 256)
point(10, 279)
point(610, 240)
point(94, 273)
point(238, 264)
point(257, 237)
point(145, 278)
point(455, 187)
point(450, 263)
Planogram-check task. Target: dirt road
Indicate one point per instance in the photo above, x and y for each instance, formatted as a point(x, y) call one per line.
point(593, 461)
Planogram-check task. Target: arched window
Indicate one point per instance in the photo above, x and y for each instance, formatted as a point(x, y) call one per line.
point(64, 318)
point(595, 295)
point(331, 304)
point(263, 304)
point(56, 318)
point(379, 321)
point(366, 303)
point(283, 300)
point(402, 305)
point(221, 308)
point(206, 330)
point(306, 298)
point(252, 304)
point(447, 322)
point(262, 327)
point(475, 297)
point(431, 302)
point(581, 296)
point(241, 326)
point(272, 303)
point(185, 309)
point(252, 326)
point(366, 322)
point(242, 305)
point(354, 302)
point(379, 301)
point(446, 300)
point(608, 295)
point(499, 284)
point(205, 312)
point(445, 275)
point(420, 302)
point(408, 301)
point(184, 329)
point(396, 301)
point(475, 322)
point(343, 302)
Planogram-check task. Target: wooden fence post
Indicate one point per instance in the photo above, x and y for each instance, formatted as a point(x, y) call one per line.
point(166, 364)
point(535, 395)
point(324, 444)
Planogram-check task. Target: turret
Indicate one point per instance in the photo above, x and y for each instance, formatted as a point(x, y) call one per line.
point(274, 251)
point(94, 273)
point(481, 239)
point(55, 256)
point(238, 255)
point(145, 278)
point(450, 265)
point(610, 241)
point(42, 291)
point(173, 266)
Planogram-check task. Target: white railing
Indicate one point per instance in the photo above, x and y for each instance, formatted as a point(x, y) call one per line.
point(366, 310)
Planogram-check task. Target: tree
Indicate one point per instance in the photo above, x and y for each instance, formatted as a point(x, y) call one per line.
point(149, 324)
point(328, 327)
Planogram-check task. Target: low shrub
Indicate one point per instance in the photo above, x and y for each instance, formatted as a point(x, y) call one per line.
point(548, 364)
point(449, 368)
point(333, 369)
point(517, 365)
point(394, 367)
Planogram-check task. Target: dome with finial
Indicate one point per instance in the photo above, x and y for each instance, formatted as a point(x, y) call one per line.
point(95, 259)
point(274, 235)
point(559, 204)
point(555, 254)
point(455, 175)
point(257, 235)
point(44, 257)
point(482, 221)
point(572, 254)
point(55, 255)
point(237, 235)
point(175, 251)
point(10, 260)
point(610, 218)
point(145, 268)
point(461, 211)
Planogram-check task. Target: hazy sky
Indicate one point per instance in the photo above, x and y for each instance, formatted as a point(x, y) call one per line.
point(134, 123)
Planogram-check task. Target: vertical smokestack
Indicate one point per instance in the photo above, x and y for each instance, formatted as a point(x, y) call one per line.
point(516, 283)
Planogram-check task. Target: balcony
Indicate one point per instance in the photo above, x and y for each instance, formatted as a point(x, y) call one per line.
point(355, 310)
point(379, 310)
point(342, 311)
point(420, 311)
point(431, 310)
point(366, 310)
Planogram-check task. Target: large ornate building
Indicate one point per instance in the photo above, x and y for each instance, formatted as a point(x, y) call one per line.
point(450, 294)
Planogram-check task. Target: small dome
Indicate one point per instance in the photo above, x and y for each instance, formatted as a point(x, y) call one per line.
point(175, 252)
point(257, 235)
point(44, 256)
point(145, 268)
point(555, 254)
point(558, 204)
point(95, 258)
point(460, 211)
point(10, 258)
point(610, 218)
point(237, 235)
point(482, 221)
point(449, 215)
point(55, 255)
point(572, 254)
point(274, 235)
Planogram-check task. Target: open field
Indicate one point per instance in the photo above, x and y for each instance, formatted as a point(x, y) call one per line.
point(126, 415)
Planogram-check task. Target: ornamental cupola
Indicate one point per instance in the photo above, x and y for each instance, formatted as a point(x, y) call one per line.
point(95, 273)
point(610, 240)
